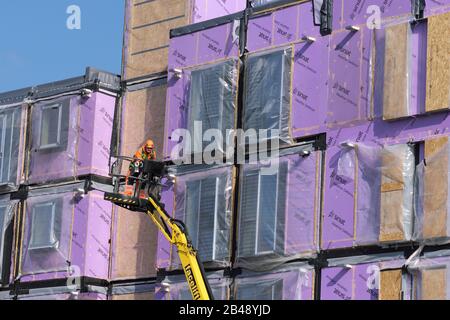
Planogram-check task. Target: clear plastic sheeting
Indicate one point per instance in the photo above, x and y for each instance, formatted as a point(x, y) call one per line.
point(203, 200)
point(48, 231)
point(7, 211)
point(279, 210)
point(258, 3)
point(384, 190)
point(294, 282)
point(211, 106)
point(432, 219)
point(54, 135)
point(267, 100)
point(430, 278)
point(176, 287)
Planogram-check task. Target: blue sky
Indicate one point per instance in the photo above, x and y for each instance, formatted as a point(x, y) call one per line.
point(37, 47)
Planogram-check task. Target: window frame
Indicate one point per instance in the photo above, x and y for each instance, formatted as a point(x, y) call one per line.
point(224, 65)
point(8, 117)
point(277, 216)
point(285, 87)
point(197, 216)
point(265, 283)
point(60, 107)
point(32, 247)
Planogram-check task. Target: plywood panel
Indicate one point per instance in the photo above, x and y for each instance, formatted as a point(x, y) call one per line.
point(395, 102)
point(144, 13)
point(391, 285)
point(392, 188)
point(435, 188)
point(143, 118)
point(135, 246)
point(147, 63)
point(147, 35)
point(433, 284)
point(136, 236)
point(438, 63)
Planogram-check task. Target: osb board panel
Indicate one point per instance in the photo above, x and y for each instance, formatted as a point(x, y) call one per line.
point(147, 63)
point(143, 118)
point(144, 13)
point(151, 37)
point(391, 285)
point(135, 296)
point(438, 63)
point(391, 206)
point(435, 188)
point(146, 50)
point(395, 102)
point(135, 246)
point(433, 284)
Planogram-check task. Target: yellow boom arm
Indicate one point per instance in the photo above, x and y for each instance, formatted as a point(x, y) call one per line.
point(175, 232)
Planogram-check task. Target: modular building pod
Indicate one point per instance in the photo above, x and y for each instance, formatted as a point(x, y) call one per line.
point(71, 126)
point(65, 232)
point(368, 195)
point(279, 209)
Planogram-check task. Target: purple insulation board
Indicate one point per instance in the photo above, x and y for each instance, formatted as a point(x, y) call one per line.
point(359, 12)
point(71, 137)
point(209, 9)
point(62, 227)
point(354, 282)
point(310, 77)
point(436, 6)
point(344, 104)
point(281, 27)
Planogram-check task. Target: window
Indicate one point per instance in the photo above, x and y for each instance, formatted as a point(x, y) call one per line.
point(45, 226)
point(262, 212)
point(205, 217)
point(54, 125)
point(267, 93)
point(212, 100)
point(184, 292)
point(9, 144)
point(261, 290)
point(2, 236)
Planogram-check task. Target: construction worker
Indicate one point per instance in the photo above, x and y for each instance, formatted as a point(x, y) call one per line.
point(146, 152)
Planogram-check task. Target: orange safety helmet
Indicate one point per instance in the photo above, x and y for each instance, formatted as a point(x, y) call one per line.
point(149, 146)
